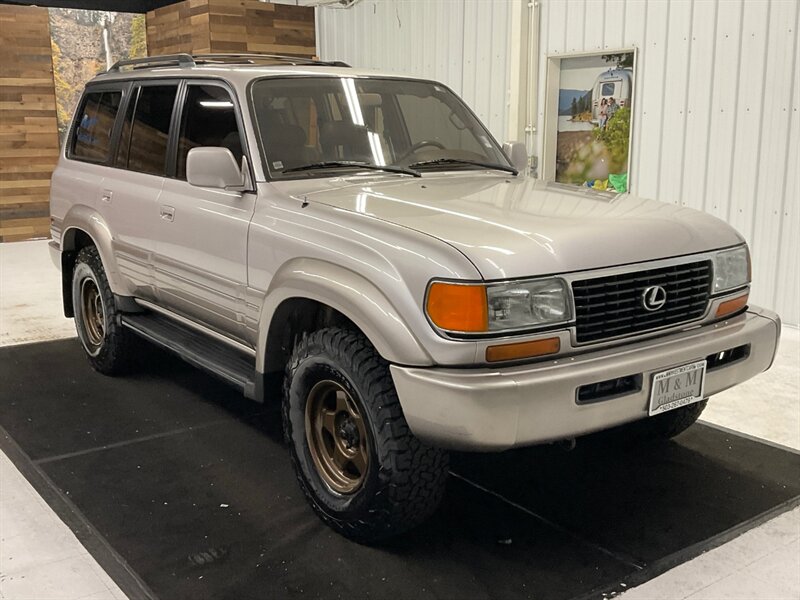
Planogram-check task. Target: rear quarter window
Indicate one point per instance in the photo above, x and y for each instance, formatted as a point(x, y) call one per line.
point(94, 124)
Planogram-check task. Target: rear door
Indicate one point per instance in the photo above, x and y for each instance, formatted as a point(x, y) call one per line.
point(201, 237)
point(129, 193)
point(89, 150)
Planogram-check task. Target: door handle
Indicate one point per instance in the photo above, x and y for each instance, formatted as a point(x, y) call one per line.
point(106, 196)
point(168, 213)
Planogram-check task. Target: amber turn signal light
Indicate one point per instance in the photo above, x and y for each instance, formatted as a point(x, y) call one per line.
point(458, 307)
point(523, 349)
point(731, 306)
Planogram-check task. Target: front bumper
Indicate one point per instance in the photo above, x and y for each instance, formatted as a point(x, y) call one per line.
point(499, 408)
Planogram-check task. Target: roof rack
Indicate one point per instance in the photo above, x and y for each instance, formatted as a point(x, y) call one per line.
point(253, 58)
point(166, 60)
point(192, 60)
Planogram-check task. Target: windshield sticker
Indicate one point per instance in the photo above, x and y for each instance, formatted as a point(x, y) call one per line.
point(277, 164)
point(485, 141)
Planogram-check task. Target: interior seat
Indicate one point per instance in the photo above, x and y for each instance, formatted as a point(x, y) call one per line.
point(288, 144)
point(342, 140)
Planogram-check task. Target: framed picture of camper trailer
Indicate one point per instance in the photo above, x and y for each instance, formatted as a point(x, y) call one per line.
point(588, 120)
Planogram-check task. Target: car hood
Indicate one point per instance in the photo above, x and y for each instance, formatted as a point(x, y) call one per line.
point(519, 227)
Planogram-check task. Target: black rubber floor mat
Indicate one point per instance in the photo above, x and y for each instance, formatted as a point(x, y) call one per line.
point(192, 488)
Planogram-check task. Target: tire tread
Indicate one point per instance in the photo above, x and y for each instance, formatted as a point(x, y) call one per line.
point(119, 346)
point(412, 474)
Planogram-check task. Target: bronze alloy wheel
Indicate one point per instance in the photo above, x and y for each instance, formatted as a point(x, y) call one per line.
point(108, 344)
point(92, 314)
point(356, 460)
point(337, 437)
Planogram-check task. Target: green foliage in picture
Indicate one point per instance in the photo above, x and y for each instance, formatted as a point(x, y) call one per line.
point(622, 60)
point(615, 137)
point(138, 47)
point(85, 43)
point(585, 103)
point(63, 88)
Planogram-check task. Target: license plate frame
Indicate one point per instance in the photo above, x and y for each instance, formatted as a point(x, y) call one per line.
point(668, 396)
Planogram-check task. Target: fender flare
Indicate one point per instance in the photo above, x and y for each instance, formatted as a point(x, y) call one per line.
point(86, 219)
point(352, 295)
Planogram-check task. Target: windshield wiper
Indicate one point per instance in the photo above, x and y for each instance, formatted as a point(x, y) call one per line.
point(340, 164)
point(462, 161)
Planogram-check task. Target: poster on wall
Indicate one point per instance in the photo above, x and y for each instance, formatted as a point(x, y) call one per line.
point(594, 119)
point(87, 42)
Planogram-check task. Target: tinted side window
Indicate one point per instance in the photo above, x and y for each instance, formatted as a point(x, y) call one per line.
point(147, 151)
point(92, 136)
point(209, 119)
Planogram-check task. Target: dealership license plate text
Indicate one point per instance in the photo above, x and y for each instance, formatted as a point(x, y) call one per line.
point(677, 387)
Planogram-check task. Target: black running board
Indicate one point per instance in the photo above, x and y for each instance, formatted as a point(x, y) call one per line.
point(221, 360)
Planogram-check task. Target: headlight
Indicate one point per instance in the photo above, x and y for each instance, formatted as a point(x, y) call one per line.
point(523, 304)
point(731, 269)
point(497, 307)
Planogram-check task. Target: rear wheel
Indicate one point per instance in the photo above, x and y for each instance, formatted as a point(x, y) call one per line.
point(362, 470)
point(108, 345)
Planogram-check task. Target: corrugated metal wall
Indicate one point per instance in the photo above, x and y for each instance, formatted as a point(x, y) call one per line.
point(462, 43)
point(716, 123)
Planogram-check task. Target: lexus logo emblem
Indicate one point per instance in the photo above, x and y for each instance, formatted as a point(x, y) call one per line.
point(654, 297)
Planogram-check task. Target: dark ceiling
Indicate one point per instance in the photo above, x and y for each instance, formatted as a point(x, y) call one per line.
point(134, 6)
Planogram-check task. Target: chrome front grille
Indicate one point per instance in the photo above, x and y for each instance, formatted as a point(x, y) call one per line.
point(611, 306)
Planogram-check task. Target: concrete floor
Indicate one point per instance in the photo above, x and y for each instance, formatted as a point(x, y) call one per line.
point(40, 557)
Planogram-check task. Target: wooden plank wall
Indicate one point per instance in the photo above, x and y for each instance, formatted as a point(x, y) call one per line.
point(29, 145)
point(197, 26)
point(28, 129)
point(181, 27)
point(251, 26)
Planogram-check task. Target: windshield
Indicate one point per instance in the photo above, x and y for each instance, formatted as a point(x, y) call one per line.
point(315, 124)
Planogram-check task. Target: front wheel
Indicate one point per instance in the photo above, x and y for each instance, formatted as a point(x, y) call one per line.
point(363, 471)
point(108, 345)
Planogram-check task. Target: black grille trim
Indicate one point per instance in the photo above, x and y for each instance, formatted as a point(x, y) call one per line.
point(611, 306)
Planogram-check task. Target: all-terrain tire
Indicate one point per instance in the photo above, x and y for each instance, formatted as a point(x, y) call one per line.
point(405, 479)
point(109, 346)
point(666, 425)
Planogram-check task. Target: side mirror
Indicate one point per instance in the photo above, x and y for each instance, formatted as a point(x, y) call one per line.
point(214, 167)
point(517, 153)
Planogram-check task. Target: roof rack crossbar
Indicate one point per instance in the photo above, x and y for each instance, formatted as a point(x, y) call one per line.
point(189, 60)
point(231, 57)
point(166, 60)
point(253, 56)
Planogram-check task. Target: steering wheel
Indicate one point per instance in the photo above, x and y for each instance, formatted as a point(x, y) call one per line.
point(422, 144)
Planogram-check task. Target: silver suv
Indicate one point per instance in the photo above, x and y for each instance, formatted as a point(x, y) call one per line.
point(358, 247)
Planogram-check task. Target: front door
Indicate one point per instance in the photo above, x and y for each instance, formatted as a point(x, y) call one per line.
point(201, 235)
